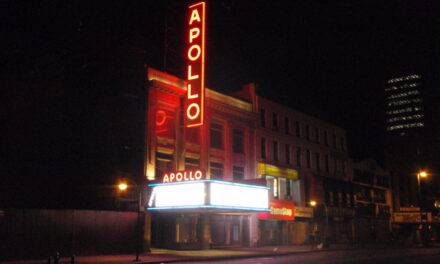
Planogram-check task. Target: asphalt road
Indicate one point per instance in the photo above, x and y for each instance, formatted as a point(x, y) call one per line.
point(370, 256)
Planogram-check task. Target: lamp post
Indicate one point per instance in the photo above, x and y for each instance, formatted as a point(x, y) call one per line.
point(324, 239)
point(420, 174)
point(123, 186)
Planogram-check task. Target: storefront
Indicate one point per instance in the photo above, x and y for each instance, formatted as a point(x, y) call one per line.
point(276, 225)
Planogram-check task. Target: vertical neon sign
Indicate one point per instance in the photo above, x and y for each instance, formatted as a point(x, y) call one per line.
point(195, 99)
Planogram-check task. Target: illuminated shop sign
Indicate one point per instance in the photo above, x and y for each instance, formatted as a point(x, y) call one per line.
point(180, 176)
point(208, 194)
point(195, 54)
point(267, 169)
point(279, 210)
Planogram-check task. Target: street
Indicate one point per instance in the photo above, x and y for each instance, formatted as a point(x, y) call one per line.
point(369, 256)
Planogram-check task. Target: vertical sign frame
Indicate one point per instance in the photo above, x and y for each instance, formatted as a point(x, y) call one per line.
point(195, 54)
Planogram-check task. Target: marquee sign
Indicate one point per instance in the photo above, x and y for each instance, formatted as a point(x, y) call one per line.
point(208, 195)
point(279, 210)
point(180, 176)
point(194, 107)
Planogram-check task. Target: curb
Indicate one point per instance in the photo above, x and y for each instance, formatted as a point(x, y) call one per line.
point(266, 254)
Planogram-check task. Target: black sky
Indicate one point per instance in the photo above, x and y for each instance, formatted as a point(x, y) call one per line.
point(326, 58)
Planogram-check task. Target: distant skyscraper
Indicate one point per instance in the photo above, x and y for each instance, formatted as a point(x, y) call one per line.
point(412, 127)
point(404, 104)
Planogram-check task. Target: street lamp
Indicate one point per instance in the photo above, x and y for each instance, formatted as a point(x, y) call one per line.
point(420, 174)
point(123, 186)
point(324, 239)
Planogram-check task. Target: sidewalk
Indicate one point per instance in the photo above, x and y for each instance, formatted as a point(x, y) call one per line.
point(169, 256)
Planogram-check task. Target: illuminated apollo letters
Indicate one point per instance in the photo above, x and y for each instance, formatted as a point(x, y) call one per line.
point(195, 54)
point(180, 176)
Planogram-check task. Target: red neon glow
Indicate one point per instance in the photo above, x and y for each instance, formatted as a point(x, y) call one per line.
point(180, 176)
point(194, 107)
point(280, 210)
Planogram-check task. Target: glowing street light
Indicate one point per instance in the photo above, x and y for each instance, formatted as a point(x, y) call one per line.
point(122, 186)
point(313, 203)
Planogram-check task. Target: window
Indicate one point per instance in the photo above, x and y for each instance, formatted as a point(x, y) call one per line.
point(237, 140)
point(288, 187)
point(263, 148)
point(336, 164)
point(164, 164)
point(286, 125)
point(298, 157)
point(308, 159)
point(216, 135)
point(327, 168)
point(307, 132)
point(238, 173)
point(318, 161)
point(317, 135)
point(342, 144)
point(287, 154)
point(216, 170)
point(262, 117)
point(275, 121)
point(275, 189)
point(334, 141)
point(326, 138)
point(275, 151)
point(297, 129)
point(192, 164)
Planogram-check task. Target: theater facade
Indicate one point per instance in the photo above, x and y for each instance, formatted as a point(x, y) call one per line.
point(203, 189)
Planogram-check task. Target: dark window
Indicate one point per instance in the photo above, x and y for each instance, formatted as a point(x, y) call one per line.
point(342, 144)
point(275, 120)
point(263, 148)
point(334, 141)
point(317, 135)
point(327, 168)
point(307, 132)
point(238, 173)
point(308, 159)
point(164, 164)
point(275, 151)
point(238, 138)
point(298, 157)
point(192, 164)
point(287, 153)
point(326, 138)
point(336, 164)
point(216, 135)
point(288, 187)
point(379, 196)
point(297, 129)
point(286, 125)
point(216, 170)
point(382, 181)
point(318, 161)
point(262, 117)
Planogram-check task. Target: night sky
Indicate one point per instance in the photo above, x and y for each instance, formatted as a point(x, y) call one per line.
point(326, 58)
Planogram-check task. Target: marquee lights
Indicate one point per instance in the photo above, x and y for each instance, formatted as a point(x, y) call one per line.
point(194, 107)
point(208, 194)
